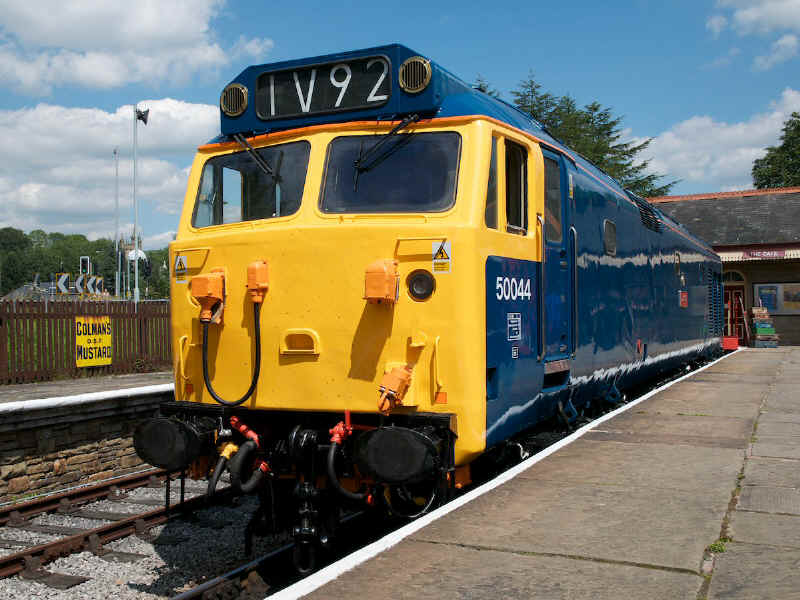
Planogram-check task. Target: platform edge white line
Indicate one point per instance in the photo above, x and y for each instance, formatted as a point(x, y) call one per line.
point(351, 561)
point(86, 398)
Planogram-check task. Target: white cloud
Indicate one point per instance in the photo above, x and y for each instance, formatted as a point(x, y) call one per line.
point(724, 60)
point(50, 43)
point(762, 16)
point(158, 241)
point(254, 48)
point(716, 24)
point(715, 155)
point(58, 170)
point(782, 50)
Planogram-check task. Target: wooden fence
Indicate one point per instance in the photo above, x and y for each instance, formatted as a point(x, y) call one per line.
point(37, 339)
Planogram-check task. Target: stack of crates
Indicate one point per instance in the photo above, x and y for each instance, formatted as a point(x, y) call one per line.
point(764, 335)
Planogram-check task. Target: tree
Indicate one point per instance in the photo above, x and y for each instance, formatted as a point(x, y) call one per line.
point(22, 256)
point(39, 238)
point(530, 100)
point(13, 239)
point(595, 133)
point(781, 165)
point(483, 85)
point(158, 280)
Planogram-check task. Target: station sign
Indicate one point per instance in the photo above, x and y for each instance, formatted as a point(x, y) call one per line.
point(764, 253)
point(92, 341)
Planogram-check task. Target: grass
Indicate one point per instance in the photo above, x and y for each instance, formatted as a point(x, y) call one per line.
point(718, 547)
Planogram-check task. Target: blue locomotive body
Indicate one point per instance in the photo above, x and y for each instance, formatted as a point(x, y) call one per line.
point(626, 294)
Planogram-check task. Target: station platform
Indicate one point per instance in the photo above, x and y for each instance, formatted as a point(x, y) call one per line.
point(642, 506)
point(84, 385)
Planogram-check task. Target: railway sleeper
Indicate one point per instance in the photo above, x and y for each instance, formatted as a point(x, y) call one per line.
point(96, 547)
point(34, 571)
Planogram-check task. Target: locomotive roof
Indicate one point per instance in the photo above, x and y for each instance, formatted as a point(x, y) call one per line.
point(445, 96)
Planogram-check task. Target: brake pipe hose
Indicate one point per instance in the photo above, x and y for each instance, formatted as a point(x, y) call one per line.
point(256, 370)
point(334, 479)
point(214, 480)
point(238, 465)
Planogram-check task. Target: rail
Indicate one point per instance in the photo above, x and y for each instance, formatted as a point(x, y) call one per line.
point(32, 559)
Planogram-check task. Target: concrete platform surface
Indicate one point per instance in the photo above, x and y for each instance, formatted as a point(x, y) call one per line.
point(69, 387)
point(631, 509)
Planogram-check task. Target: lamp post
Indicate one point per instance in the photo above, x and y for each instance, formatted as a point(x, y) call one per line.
point(116, 222)
point(138, 115)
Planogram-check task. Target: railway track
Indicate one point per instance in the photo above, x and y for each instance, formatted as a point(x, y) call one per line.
point(30, 561)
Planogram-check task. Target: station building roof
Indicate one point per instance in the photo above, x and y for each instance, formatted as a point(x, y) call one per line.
point(744, 218)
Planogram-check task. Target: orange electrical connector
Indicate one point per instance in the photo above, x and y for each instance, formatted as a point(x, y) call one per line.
point(381, 282)
point(257, 280)
point(393, 388)
point(208, 290)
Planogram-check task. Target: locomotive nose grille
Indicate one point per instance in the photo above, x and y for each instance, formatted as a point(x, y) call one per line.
point(233, 100)
point(414, 74)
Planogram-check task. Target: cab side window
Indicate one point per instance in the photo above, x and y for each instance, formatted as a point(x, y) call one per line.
point(490, 214)
point(516, 189)
point(610, 237)
point(552, 200)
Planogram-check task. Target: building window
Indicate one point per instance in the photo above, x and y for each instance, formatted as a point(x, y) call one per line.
point(610, 237)
point(732, 277)
point(516, 189)
point(490, 215)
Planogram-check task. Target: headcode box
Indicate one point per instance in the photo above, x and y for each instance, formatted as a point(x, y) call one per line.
point(92, 341)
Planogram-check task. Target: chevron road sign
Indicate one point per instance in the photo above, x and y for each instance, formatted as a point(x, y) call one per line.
point(90, 285)
point(79, 283)
point(63, 283)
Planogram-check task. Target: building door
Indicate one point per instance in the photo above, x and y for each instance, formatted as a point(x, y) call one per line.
point(557, 262)
point(734, 313)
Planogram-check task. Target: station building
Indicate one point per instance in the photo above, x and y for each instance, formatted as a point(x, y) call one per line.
point(757, 235)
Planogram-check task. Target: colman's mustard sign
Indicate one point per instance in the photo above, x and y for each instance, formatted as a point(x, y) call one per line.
point(92, 341)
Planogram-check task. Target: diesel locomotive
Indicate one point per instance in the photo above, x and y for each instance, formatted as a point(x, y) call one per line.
point(380, 273)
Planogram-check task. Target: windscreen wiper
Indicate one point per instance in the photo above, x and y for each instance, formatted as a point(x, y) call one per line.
point(361, 162)
point(360, 165)
point(257, 158)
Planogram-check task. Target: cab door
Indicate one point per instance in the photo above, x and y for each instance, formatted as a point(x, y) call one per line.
point(557, 289)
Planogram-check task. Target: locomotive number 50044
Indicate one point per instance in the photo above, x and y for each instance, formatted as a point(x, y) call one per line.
point(510, 288)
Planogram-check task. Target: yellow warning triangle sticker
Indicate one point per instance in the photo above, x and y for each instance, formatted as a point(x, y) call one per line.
point(441, 254)
point(180, 263)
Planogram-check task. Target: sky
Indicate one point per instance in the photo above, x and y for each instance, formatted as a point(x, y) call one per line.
point(710, 81)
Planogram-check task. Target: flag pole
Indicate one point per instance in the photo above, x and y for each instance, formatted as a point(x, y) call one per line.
point(135, 216)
